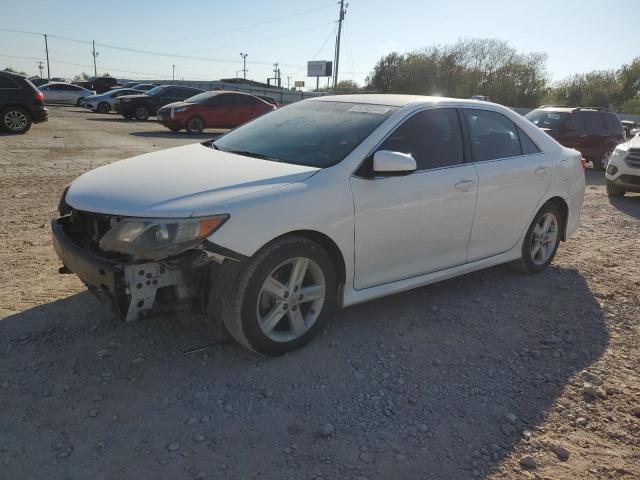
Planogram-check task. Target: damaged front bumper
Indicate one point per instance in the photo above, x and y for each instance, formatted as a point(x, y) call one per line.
point(131, 288)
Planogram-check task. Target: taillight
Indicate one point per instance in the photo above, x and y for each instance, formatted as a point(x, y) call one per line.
point(584, 162)
point(39, 96)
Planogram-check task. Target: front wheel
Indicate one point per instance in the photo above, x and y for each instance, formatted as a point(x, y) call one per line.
point(542, 240)
point(79, 101)
point(614, 191)
point(142, 113)
point(195, 125)
point(15, 120)
point(282, 298)
point(104, 107)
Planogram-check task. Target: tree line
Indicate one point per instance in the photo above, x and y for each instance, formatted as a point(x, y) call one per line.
point(495, 69)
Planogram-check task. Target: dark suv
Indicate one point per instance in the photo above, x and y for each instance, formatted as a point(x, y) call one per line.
point(145, 105)
point(102, 84)
point(592, 131)
point(21, 103)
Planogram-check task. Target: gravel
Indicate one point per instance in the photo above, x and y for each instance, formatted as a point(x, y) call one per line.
point(391, 389)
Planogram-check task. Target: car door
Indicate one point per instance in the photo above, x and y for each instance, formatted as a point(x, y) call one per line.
point(573, 132)
point(51, 93)
point(247, 108)
point(221, 111)
point(593, 137)
point(409, 225)
point(513, 176)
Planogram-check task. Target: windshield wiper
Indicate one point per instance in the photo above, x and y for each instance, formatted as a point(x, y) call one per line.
point(246, 153)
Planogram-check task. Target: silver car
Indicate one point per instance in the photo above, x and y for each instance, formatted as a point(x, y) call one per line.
point(60, 92)
point(103, 103)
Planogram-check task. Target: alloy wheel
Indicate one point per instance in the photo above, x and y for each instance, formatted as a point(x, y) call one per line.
point(606, 156)
point(195, 126)
point(15, 120)
point(142, 113)
point(543, 240)
point(291, 299)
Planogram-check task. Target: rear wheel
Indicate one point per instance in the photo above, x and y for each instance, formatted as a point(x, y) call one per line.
point(542, 240)
point(104, 107)
point(602, 162)
point(282, 298)
point(15, 120)
point(614, 191)
point(195, 125)
point(142, 113)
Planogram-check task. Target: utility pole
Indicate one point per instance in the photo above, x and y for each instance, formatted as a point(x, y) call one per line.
point(46, 47)
point(343, 11)
point(244, 64)
point(276, 74)
point(173, 75)
point(41, 68)
point(95, 54)
point(288, 78)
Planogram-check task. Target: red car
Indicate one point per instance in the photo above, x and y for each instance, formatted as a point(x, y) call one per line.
point(215, 109)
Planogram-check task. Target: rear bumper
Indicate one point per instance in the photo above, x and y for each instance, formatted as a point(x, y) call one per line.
point(39, 115)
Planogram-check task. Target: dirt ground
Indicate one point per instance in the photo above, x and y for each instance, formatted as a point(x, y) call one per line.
point(493, 375)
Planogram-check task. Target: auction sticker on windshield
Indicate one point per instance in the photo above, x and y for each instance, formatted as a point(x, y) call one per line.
point(377, 109)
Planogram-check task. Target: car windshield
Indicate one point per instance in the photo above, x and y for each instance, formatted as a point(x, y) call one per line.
point(155, 90)
point(546, 119)
point(201, 97)
point(314, 133)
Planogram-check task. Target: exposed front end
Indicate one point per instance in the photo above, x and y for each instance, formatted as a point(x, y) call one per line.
point(623, 169)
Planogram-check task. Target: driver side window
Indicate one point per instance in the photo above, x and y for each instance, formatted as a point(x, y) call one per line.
point(432, 137)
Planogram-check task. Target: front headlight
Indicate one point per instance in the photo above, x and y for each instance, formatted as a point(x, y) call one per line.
point(180, 109)
point(618, 154)
point(159, 238)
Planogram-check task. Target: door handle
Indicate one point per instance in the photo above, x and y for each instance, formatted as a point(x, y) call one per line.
point(541, 171)
point(464, 185)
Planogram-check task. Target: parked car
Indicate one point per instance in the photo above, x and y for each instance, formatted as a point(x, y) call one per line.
point(58, 92)
point(217, 109)
point(328, 201)
point(103, 84)
point(145, 87)
point(269, 99)
point(594, 132)
point(103, 103)
point(84, 84)
point(623, 171)
point(21, 103)
point(39, 81)
point(144, 105)
point(628, 126)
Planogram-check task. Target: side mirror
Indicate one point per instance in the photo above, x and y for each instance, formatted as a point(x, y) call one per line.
point(386, 161)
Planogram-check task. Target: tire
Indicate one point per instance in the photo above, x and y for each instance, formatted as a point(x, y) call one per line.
point(248, 306)
point(142, 113)
point(602, 162)
point(78, 101)
point(614, 191)
point(195, 125)
point(536, 262)
point(15, 120)
point(104, 107)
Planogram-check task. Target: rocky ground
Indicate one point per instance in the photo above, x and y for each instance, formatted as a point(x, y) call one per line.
point(493, 375)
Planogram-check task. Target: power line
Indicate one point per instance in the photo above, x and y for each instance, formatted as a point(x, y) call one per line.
point(253, 25)
point(260, 40)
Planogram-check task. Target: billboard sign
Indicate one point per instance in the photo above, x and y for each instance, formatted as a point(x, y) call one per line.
point(319, 68)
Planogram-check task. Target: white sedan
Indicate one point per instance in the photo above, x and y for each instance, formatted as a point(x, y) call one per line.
point(60, 92)
point(327, 202)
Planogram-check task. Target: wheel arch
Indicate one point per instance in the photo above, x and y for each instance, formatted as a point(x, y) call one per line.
point(562, 205)
point(327, 243)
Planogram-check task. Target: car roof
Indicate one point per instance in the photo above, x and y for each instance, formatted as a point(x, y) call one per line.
point(395, 100)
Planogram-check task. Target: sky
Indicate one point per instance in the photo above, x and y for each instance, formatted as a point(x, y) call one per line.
point(578, 35)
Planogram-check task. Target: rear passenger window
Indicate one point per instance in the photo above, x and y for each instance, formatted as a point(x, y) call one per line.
point(493, 135)
point(594, 122)
point(528, 147)
point(577, 121)
point(8, 83)
point(432, 137)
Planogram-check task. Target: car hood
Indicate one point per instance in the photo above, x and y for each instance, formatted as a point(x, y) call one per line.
point(634, 142)
point(178, 182)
